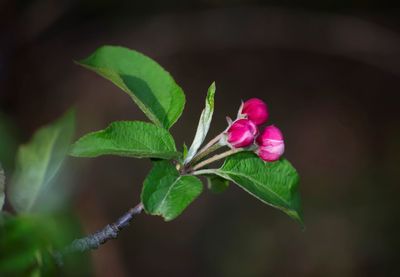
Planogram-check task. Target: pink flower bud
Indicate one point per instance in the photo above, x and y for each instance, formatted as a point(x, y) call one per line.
point(256, 110)
point(271, 145)
point(242, 133)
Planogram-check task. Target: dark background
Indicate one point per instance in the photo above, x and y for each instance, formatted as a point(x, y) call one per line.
point(330, 73)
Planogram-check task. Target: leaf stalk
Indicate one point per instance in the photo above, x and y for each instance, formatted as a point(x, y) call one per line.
point(216, 158)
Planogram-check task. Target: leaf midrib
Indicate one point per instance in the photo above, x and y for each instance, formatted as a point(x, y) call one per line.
point(168, 145)
point(257, 183)
point(136, 152)
point(167, 194)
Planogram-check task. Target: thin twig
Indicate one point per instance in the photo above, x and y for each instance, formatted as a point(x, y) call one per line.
point(216, 158)
point(93, 241)
point(208, 145)
point(205, 153)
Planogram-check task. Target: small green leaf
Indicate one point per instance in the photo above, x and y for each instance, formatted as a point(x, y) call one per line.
point(38, 162)
point(217, 184)
point(273, 183)
point(2, 184)
point(145, 81)
point(127, 138)
point(204, 124)
point(167, 193)
point(185, 151)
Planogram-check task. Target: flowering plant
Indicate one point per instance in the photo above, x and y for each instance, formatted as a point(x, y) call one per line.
point(173, 182)
point(253, 160)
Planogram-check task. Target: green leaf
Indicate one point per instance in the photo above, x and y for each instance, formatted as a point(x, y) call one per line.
point(127, 138)
point(145, 81)
point(167, 193)
point(2, 184)
point(204, 124)
point(217, 184)
point(185, 151)
point(31, 241)
point(273, 183)
point(38, 162)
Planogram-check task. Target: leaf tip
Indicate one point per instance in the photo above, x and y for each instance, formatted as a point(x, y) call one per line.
point(298, 217)
point(167, 218)
point(211, 90)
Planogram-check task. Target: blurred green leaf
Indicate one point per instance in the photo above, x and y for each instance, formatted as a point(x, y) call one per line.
point(217, 184)
point(167, 193)
point(2, 186)
point(21, 241)
point(38, 162)
point(204, 124)
point(127, 138)
point(28, 242)
point(273, 183)
point(145, 81)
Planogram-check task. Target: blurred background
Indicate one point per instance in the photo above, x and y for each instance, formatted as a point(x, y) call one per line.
point(330, 73)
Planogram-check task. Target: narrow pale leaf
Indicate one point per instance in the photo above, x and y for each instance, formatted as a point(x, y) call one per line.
point(151, 87)
point(127, 138)
point(273, 183)
point(167, 193)
point(204, 124)
point(38, 162)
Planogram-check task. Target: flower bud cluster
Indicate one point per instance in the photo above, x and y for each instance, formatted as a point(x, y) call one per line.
point(243, 132)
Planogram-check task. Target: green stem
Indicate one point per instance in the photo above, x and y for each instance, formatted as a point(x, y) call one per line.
point(205, 153)
point(216, 158)
point(204, 171)
point(209, 144)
